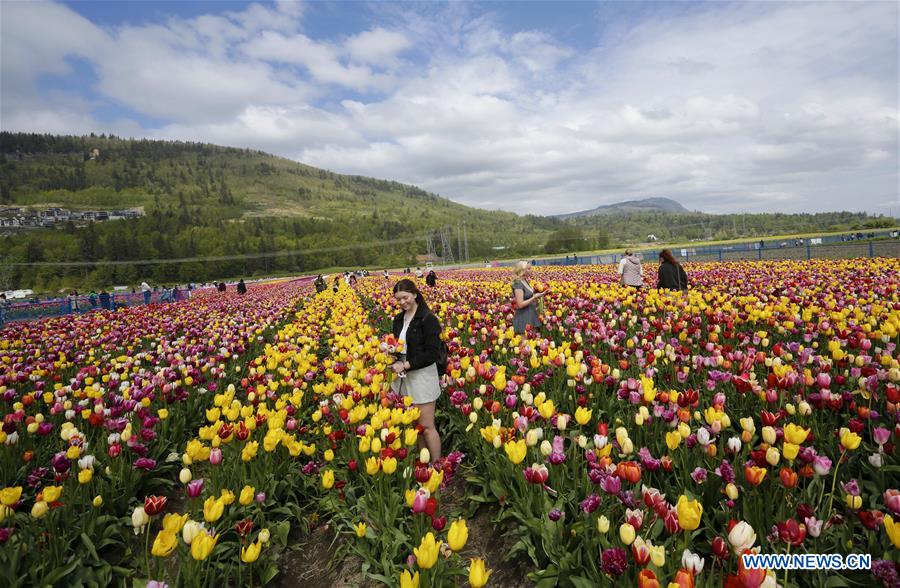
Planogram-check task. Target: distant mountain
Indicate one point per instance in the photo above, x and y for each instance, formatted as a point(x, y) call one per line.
point(645, 205)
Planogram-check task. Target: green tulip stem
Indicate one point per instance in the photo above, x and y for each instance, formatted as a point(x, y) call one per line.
point(837, 466)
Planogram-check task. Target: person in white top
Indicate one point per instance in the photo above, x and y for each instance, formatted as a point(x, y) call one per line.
point(145, 288)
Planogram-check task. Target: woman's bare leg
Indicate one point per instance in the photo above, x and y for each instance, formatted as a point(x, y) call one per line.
point(430, 434)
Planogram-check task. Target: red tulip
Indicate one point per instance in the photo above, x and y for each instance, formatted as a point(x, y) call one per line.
point(153, 505)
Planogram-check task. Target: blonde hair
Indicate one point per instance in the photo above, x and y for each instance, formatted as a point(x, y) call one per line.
point(520, 268)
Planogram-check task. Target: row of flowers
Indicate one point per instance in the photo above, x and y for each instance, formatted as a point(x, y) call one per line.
point(91, 420)
point(317, 428)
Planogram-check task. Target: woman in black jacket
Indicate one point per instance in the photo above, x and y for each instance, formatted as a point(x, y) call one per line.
point(671, 275)
point(416, 369)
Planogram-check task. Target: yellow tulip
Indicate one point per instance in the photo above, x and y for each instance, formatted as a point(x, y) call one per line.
point(434, 481)
point(583, 415)
point(85, 476)
point(39, 509)
point(854, 502)
point(213, 509)
point(478, 575)
point(795, 434)
point(893, 530)
point(389, 465)
point(850, 440)
point(327, 479)
point(458, 534)
point(408, 580)
point(603, 524)
point(10, 496)
point(427, 552)
point(515, 450)
point(673, 440)
point(658, 555)
point(790, 451)
point(227, 497)
point(627, 533)
point(52, 493)
point(164, 544)
point(410, 437)
point(689, 513)
point(249, 451)
point(250, 553)
point(173, 523)
point(247, 494)
point(360, 530)
point(202, 545)
point(372, 466)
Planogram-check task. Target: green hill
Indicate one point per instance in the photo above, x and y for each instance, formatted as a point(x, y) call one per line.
point(203, 201)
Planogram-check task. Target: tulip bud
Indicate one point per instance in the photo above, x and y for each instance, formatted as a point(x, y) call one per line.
point(185, 476)
point(627, 533)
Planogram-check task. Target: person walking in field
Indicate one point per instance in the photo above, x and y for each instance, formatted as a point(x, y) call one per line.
point(4, 304)
point(671, 275)
point(145, 289)
point(630, 271)
point(525, 299)
point(241, 287)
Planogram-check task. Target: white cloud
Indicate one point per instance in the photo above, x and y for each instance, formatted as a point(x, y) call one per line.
point(377, 46)
point(723, 106)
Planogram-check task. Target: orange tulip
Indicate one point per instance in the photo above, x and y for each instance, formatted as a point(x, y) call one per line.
point(629, 470)
point(788, 477)
point(755, 475)
point(684, 579)
point(647, 579)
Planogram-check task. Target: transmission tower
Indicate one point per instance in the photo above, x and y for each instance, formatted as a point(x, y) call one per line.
point(446, 249)
point(429, 246)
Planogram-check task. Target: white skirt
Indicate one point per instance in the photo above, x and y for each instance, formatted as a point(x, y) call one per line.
point(423, 385)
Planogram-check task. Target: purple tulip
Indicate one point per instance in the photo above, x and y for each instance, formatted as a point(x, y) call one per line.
point(195, 488)
point(145, 463)
point(615, 561)
point(60, 462)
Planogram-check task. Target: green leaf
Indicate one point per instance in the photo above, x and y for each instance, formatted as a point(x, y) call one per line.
point(579, 582)
point(90, 546)
point(836, 581)
point(269, 573)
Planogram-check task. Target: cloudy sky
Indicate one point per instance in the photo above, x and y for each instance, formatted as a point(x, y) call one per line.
point(530, 107)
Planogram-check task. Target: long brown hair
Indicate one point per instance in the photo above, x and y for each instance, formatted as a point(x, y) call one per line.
point(666, 255)
point(407, 285)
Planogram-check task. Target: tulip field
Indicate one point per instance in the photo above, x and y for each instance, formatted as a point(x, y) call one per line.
point(639, 436)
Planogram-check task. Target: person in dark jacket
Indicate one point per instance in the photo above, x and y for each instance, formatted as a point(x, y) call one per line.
point(671, 275)
point(241, 287)
point(320, 284)
point(104, 300)
point(416, 368)
point(431, 278)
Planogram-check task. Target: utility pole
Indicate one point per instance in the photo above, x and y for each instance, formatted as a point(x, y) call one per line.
point(459, 249)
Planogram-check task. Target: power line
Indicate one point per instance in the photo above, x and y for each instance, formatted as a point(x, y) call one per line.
point(281, 253)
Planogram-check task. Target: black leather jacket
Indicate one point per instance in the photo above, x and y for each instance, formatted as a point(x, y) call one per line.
point(423, 337)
